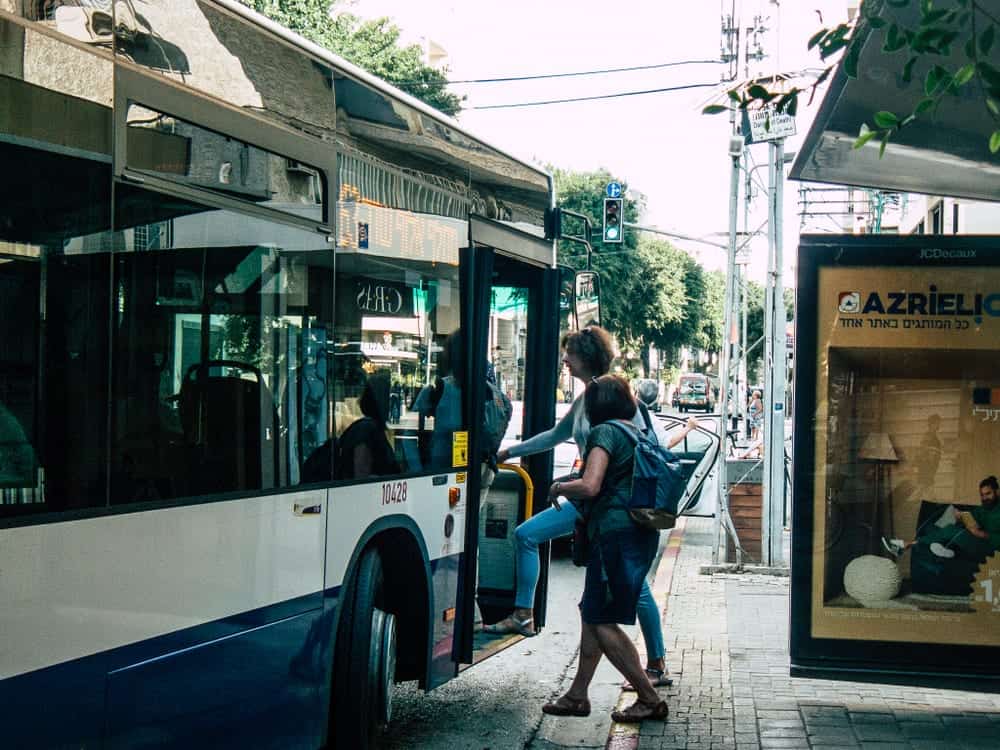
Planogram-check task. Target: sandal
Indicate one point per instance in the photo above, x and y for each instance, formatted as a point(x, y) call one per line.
point(642, 711)
point(511, 625)
point(566, 706)
point(657, 678)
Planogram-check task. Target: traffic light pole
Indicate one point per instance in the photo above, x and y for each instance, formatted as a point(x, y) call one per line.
point(588, 230)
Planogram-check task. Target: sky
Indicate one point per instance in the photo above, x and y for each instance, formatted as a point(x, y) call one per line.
point(660, 144)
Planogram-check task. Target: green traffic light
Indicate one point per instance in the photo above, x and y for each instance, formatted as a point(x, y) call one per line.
point(611, 233)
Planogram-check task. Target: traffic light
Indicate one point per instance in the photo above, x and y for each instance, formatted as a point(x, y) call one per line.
point(614, 230)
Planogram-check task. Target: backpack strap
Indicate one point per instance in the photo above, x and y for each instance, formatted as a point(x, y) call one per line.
point(631, 432)
point(645, 414)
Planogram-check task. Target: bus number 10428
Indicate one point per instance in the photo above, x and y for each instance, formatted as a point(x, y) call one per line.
point(393, 493)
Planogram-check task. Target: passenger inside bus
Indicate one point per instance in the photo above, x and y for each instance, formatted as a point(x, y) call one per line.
point(363, 449)
point(443, 403)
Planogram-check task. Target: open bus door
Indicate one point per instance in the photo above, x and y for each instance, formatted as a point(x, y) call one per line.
point(513, 316)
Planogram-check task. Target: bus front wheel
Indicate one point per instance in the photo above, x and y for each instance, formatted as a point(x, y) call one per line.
point(365, 666)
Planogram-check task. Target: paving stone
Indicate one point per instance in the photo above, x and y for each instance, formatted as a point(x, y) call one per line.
point(827, 743)
point(876, 733)
point(773, 743)
point(871, 717)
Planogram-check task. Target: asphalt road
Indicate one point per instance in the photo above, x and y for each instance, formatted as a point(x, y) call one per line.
point(496, 705)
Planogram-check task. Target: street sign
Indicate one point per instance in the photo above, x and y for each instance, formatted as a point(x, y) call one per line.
point(614, 190)
point(765, 124)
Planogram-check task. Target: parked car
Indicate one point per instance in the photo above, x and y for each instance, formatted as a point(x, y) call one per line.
point(696, 392)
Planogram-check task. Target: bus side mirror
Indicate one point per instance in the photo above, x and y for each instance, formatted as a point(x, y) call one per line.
point(587, 299)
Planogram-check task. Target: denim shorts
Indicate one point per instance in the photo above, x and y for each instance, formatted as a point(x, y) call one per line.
point(619, 562)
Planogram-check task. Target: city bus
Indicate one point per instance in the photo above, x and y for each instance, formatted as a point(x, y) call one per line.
point(252, 298)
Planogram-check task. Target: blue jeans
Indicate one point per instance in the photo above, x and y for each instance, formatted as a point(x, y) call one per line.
point(552, 523)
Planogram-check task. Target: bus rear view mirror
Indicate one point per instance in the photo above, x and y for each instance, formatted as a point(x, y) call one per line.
point(587, 299)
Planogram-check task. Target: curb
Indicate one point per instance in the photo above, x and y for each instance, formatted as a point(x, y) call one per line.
point(626, 736)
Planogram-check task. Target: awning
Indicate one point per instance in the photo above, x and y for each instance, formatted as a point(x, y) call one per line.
point(946, 155)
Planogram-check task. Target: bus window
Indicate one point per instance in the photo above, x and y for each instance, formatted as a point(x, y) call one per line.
point(508, 351)
point(397, 365)
point(18, 365)
point(221, 328)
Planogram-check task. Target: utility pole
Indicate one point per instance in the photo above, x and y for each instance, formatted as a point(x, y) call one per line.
point(774, 363)
point(730, 54)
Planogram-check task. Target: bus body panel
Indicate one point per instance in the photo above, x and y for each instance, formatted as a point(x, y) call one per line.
point(130, 577)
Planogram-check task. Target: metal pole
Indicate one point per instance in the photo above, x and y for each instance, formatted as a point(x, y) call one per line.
point(744, 277)
point(774, 404)
point(722, 509)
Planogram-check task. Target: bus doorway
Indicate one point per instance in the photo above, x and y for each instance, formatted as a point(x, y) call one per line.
point(515, 331)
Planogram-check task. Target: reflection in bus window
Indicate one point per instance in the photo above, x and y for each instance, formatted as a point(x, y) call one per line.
point(183, 152)
point(220, 367)
point(508, 351)
point(392, 368)
point(18, 367)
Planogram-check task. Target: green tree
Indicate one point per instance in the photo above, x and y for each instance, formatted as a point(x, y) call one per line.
point(372, 45)
point(755, 325)
point(942, 25)
point(652, 293)
point(711, 324)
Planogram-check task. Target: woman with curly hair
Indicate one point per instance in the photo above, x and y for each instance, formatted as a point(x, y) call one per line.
point(588, 354)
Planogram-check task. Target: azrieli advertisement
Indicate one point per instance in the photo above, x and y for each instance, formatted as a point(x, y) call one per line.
point(906, 531)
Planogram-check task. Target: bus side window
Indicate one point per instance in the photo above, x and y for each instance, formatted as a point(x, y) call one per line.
point(393, 323)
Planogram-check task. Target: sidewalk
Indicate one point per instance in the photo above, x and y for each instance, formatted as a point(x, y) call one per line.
point(727, 648)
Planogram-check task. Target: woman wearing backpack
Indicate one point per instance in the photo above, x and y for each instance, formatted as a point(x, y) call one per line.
point(621, 552)
point(587, 353)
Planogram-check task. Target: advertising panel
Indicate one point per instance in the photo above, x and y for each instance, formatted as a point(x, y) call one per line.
point(897, 517)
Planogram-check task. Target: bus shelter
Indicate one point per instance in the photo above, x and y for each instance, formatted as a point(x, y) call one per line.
point(895, 555)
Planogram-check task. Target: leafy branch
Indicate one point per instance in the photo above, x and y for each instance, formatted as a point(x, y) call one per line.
point(942, 25)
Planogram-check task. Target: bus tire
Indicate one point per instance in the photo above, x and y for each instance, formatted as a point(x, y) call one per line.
point(365, 664)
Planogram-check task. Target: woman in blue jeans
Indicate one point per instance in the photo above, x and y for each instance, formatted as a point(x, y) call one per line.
point(588, 354)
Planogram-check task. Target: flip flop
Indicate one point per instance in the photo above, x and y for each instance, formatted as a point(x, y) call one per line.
point(566, 706)
point(512, 625)
point(642, 711)
point(657, 678)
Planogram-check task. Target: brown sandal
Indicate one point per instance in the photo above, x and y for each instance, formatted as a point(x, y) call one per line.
point(657, 678)
point(642, 711)
point(566, 706)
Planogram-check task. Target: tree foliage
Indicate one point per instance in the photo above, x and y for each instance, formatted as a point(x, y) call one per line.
point(942, 25)
point(372, 45)
point(652, 294)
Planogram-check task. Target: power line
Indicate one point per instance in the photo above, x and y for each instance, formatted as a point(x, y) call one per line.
point(601, 71)
point(593, 98)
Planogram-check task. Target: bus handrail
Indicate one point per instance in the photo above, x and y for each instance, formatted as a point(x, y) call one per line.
point(529, 487)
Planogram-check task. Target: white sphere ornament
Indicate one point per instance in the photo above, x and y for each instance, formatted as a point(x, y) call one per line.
point(871, 579)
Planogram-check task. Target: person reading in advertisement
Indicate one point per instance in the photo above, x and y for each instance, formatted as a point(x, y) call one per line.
point(958, 530)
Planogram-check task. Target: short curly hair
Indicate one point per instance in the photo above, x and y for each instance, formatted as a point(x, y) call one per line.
point(592, 345)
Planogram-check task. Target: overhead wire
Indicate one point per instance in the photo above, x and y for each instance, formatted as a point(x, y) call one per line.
point(572, 74)
point(594, 98)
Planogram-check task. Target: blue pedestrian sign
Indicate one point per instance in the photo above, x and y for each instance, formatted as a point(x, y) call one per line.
point(614, 190)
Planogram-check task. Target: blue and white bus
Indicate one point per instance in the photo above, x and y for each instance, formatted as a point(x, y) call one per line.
point(249, 298)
